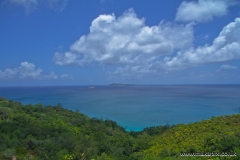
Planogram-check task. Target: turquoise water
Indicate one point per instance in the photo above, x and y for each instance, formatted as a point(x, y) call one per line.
point(136, 107)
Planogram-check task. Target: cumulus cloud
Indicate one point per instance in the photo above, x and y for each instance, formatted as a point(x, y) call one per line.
point(30, 5)
point(27, 71)
point(224, 48)
point(126, 40)
point(136, 49)
point(202, 10)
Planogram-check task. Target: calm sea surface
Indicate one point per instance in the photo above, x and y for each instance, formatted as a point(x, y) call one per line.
point(136, 107)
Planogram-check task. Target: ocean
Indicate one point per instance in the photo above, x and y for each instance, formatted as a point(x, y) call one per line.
point(136, 107)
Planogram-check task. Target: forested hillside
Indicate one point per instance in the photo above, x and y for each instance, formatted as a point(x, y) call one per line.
point(217, 135)
point(55, 133)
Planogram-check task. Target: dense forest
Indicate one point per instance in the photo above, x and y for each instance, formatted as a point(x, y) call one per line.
point(54, 133)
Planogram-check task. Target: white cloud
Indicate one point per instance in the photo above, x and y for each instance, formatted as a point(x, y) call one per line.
point(8, 73)
point(28, 71)
point(224, 48)
point(131, 72)
point(52, 75)
point(202, 10)
point(66, 76)
point(226, 67)
point(30, 5)
point(137, 49)
point(126, 40)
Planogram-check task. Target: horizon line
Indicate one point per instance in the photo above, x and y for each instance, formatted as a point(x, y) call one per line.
point(183, 84)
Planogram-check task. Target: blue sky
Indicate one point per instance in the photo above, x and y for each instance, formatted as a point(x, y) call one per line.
point(86, 42)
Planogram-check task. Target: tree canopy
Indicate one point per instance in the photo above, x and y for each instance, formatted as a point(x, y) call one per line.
point(53, 132)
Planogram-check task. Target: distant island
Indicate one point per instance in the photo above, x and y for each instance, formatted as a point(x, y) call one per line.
point(120, 84)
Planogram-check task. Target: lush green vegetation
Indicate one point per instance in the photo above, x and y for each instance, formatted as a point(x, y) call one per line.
point(52, 132)
point(219, 134)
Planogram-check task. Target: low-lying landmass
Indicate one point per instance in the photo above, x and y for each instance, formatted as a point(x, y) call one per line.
point(54, 133)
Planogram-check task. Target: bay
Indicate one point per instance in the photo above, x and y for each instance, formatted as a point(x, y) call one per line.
point(136, 107)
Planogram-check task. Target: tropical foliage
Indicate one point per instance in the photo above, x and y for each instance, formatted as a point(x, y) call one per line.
point(52, 132)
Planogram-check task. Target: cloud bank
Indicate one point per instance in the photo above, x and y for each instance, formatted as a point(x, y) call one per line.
point(136, 49)
point(202, 10)
point(224, 48)
point(126, 40)
point(28, 71)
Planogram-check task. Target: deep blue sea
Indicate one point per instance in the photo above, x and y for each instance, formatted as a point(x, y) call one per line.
point(136, 107)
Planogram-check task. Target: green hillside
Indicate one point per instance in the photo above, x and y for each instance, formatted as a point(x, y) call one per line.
point(55, 133)
point(219, 134)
